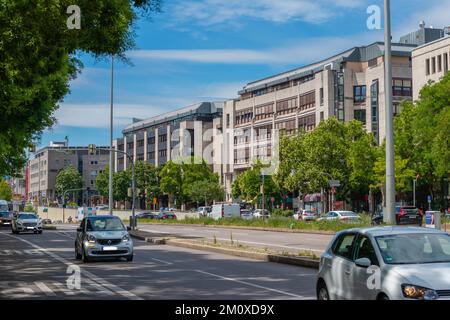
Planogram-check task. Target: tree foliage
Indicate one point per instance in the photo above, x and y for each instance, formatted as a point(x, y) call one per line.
point(39, 57)
point(5, 191)
point(68, 179)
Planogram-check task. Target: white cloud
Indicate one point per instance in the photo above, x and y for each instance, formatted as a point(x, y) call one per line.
point(214, 12)
point(305, 50)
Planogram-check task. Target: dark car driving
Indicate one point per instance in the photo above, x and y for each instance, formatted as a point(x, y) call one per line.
point(404, 215)
point(146, 215)
point(5, 218)
point(166, 216)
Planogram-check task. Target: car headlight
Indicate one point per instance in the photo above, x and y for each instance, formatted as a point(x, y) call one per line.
point(420, 293)
point(91, 238)
point(19, 223)
point(126, 238)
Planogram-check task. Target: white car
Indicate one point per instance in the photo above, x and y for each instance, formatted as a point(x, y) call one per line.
point(306, 215)
point(386, 263)
point(246, 214)
point(341, 215)
point(260, 213)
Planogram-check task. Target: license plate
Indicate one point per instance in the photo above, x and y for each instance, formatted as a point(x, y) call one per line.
point(30, 228)
point(109, 248)
point(412, 217)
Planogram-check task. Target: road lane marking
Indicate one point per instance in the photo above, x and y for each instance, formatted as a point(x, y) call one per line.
point(252, 284)
point(43, 287)
point(162, 261)
point(91, 276)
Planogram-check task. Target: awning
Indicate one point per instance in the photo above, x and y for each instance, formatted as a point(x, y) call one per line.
point(315, 197)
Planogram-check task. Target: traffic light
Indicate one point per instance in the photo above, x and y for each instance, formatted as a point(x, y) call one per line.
point(91, 149)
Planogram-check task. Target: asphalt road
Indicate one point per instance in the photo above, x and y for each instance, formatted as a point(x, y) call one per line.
point(36, 266)
point(281, 241)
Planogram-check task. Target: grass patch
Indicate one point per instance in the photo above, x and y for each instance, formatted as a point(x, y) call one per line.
point(273, 222)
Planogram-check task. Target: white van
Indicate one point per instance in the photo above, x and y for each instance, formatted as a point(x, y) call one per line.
point(225, 210)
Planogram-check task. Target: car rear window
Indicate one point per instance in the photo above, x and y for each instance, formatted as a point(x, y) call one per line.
point(348, 213)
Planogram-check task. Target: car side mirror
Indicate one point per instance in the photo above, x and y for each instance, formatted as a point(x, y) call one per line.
point(363, 262)
point(79, 229)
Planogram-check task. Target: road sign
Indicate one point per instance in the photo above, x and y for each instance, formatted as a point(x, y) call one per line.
point(272, 199)
point(429, 198)
point(155, 200)
point(334, 183)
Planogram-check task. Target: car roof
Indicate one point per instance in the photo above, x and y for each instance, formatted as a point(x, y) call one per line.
point(392, 230)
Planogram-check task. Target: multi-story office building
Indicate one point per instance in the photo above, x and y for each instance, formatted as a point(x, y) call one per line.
point(49, 161)
point(350, 85)
point(430, 61)
point(184, 132)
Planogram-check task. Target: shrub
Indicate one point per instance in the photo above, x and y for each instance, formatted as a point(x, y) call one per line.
point(282, 213)
point(29, 208)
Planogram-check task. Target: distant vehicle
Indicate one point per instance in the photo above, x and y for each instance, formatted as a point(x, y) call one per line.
point(306, 215)
point(203, 211)
point(166, 216)
point(146, 215)
point(246, 214)
point(404, 215)
point(5, 218)
point(162, 209)
point(26, 222)
point(4, 206)
point(102, 207)
point(225, 210)
point(412, 263)
point(46, 221)
point(103, 237)
point(341, 215)
point(260, 213)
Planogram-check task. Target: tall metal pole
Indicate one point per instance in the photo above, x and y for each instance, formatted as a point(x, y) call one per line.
point(389, 215)
point(133, 188)
point(414, 192)
point(111, 153)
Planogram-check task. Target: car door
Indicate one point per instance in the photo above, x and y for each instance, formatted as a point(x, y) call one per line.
point(361, 286)
point(341, 269)
point(80, 234)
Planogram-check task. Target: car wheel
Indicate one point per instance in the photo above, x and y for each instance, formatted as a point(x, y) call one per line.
point(130, 258)
point(84, 258)
point(40, 232)
point(322, 291)
point(382, 296)
point(77, 255)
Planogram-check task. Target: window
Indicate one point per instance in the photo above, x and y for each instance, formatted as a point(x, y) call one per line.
point(162, 138)
point(151, 155)
point(322, 116)
point(162, 153)
point(439, 63)
point(151, 140)
point(228, 120)
point(140, 143)
point(263, 133)
point(364, 249)
point(244, 116)
point(264, 111)
point(321, 96)
point(373, 63)
point(287, 106)
point(359, 94)
point(360, 115)
point(307, 123)
point(288, 127)
point(307, 101)
point(402, 87)
point(343, 246)
point(427, 66)
point(445, 62)
point(433, 65)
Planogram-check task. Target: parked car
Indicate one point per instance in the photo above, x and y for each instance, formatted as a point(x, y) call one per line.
point(26, 222)
point(102, 207)
point(225, 210)
point(46, 221)
point(5, 218)
point(166, 216)
point(412, 264)
point(306, 215)
point(103, 237)
point(404, 215)
point(146, 215)
point(203, 211)
point(260, 213)
point(246, 214)
point(341, 215)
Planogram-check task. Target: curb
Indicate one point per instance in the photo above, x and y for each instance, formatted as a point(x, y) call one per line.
point(297, 261)
point(245, 228)
point(153, 240)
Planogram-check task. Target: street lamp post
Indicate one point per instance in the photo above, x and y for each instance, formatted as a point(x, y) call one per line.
point(414, 192)
point(389, 216)
point(111, 153)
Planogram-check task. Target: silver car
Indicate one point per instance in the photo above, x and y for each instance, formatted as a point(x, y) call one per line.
point(103, 237)
point(386, 263)
point(26, 222)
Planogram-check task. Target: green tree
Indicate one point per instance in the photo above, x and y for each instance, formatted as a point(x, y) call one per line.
point(39, 58)
point(121, 184)
point(5, 191)
point(67, 179)
point(204, 191)
point(147, 181)
point(102, 182)
point(171, 180)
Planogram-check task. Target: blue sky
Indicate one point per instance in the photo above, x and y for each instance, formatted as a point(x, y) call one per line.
point(199, 50)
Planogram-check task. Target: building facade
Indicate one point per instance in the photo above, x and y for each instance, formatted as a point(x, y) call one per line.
point(430, 61)
point(49, 161)
point(181, 133)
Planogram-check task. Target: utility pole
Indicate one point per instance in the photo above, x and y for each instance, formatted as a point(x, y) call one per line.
point(111, 153)
point(414, 192)
point(389, 215)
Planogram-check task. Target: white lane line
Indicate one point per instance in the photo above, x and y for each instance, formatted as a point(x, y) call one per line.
point(251, 284)
point(156, 231)
point(112, 287)
point(162, 261)
point(43, 287)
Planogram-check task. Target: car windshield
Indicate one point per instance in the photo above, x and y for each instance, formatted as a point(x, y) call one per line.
point(104, 224)
point(414, 248)
point(5, 214)
point(26, 216)
point(348, 214)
